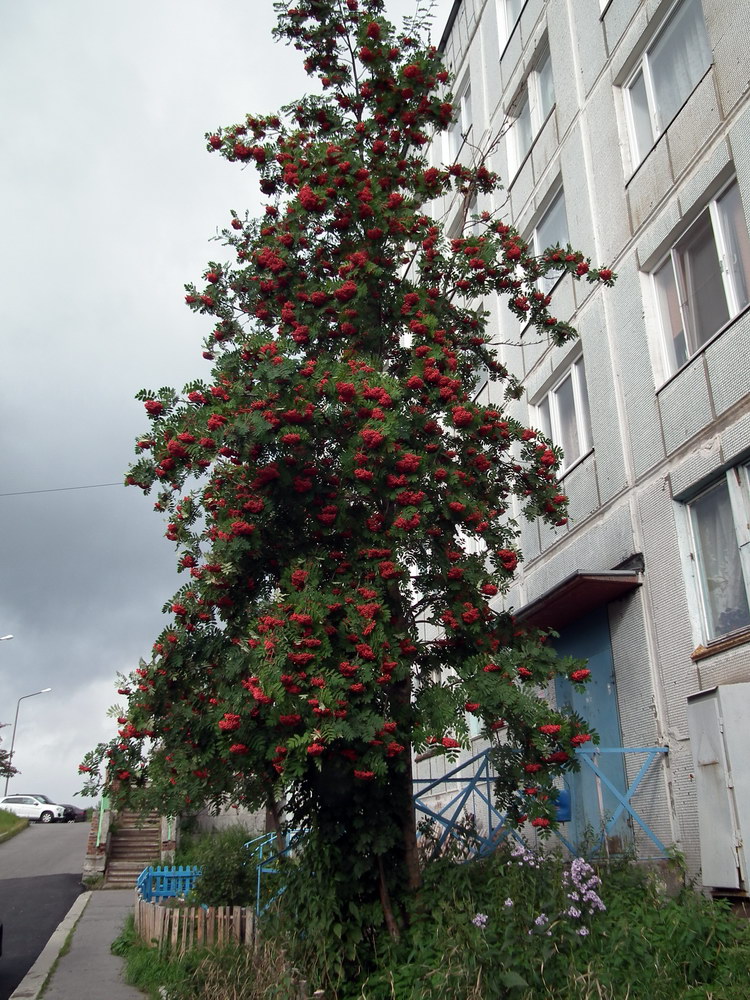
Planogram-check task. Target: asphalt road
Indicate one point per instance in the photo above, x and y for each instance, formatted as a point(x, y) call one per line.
point(40, 876)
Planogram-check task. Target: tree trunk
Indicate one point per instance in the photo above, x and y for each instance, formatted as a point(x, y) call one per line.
point(272, 813)
point(385, 902)
point(401, 696)
point(409, 830)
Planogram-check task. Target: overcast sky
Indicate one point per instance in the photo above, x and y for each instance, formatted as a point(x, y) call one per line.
point(108, 203)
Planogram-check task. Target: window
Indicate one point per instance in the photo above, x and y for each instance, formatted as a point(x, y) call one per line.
point(551, 231)
point(721, 552)
point(510, 11)
point(461, 127)
point(530, 109)
point(705, 280)
point(563, 415)
point(668, 72)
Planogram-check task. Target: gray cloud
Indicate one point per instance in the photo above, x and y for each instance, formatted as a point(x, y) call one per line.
point(108, 200)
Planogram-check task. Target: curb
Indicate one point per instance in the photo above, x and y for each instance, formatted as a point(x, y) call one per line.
point(31, 986)
point(13, 831)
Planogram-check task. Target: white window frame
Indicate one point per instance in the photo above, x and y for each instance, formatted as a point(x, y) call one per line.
point(458, 229)
point(531, 95)
point(550, 422)
point(729, 283)
point(507, 22)
point(548, 282)
point(460, 129)
point(737, 480)
point(641, 149)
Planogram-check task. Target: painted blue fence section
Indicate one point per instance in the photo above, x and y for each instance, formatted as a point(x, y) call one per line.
point(165, 882)
point(475, 779)
point(478, 783)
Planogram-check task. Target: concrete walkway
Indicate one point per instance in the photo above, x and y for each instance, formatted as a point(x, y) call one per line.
point(89, 971)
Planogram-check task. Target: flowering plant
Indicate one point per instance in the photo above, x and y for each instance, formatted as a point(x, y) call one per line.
point(329, 484)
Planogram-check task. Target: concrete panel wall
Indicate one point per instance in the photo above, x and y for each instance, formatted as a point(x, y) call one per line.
point(632, 366)
point(600, 544)
point(728, 26)
point(607, 417)
point(657, 436)
point(684, 405)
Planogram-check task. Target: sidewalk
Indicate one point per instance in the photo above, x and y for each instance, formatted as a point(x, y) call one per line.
point(89, 971)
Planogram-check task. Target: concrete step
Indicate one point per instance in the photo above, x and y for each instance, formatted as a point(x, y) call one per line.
point(141, 858)
point(132, 818)
point(137, 836)
point(125, 876)
point(135, 846)
point(135, 843)
point(120, 881)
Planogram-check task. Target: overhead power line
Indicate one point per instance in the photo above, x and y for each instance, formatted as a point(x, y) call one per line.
point(60, 489)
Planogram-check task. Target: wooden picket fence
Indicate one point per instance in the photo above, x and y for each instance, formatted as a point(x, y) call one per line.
point(179, 928)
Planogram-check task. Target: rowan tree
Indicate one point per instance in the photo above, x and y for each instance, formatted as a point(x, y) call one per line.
point(340, 501)
point(6, 767)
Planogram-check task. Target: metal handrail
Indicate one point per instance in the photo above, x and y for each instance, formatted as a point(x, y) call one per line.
point(103, 807)
point(265, 866)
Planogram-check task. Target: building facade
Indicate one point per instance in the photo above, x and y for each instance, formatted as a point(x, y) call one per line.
point(623, 127)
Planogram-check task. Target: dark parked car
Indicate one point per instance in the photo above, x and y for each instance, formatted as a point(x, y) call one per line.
point(73, 814)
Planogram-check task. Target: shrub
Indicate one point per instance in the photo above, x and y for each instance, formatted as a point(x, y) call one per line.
point(228, 876)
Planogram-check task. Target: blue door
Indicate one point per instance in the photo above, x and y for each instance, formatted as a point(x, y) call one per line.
point(592, 803)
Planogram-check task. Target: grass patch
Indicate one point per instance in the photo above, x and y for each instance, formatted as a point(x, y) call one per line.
point(93, 882)
point(10, 824)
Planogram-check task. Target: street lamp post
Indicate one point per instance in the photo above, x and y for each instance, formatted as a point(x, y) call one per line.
point(15, 723)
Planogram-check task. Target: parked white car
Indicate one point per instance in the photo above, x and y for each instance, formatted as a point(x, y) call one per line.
point(33, 807)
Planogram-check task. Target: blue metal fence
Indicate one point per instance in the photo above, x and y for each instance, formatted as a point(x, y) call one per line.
point(475, 779)
point(166, 882)
point(588, 757)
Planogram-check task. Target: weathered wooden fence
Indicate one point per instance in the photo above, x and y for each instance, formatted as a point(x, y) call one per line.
point(179, 928)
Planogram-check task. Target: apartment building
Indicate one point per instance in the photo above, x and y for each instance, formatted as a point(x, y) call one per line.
point(623, 127)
